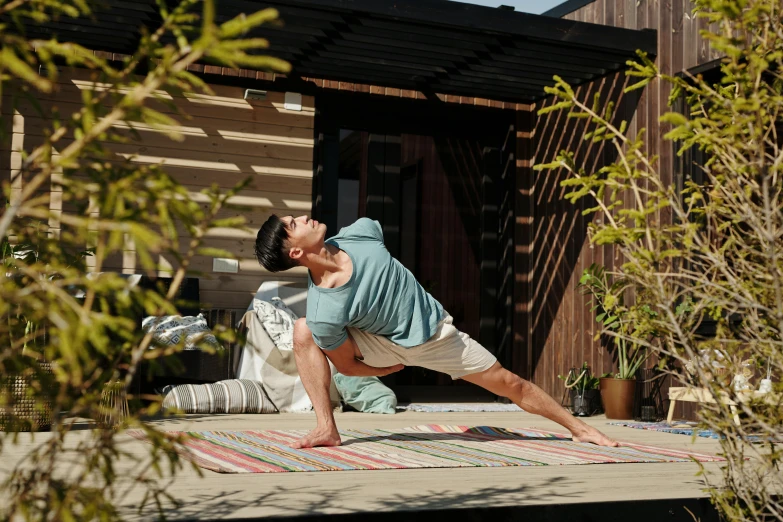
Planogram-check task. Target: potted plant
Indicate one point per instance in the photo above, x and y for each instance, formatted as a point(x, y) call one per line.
point(27, 380)
point(622, 323)
point(19, 406)
point(582, 387)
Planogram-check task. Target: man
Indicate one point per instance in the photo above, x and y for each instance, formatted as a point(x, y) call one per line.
point(368, 314)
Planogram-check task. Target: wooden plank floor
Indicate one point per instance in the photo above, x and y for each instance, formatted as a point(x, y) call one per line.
point(219, 496)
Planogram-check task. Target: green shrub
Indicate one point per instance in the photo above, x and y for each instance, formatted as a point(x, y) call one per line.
point(51, 308)
point(719, 256)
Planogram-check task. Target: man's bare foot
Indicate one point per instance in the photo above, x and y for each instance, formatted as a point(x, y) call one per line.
point(318, 437)
point(594, 436)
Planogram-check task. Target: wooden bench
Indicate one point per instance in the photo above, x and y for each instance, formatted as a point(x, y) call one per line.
point(703, 395)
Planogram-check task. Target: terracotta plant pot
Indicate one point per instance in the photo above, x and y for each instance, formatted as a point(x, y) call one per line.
point(617, 396)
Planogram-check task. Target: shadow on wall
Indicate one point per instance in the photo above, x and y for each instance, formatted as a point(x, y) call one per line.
point(225, 140)
point(560, 325)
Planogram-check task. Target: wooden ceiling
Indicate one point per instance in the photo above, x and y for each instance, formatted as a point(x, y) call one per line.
point(427, 45)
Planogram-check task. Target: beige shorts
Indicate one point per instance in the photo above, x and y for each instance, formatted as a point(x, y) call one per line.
point(449, 351)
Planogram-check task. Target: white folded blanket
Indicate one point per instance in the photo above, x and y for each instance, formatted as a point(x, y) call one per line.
point(268, 357)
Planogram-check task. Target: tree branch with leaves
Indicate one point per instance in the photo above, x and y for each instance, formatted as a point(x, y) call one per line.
point(60, 308)
point(710, 251)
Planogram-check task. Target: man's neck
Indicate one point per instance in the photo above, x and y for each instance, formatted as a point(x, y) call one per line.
point(330, 269)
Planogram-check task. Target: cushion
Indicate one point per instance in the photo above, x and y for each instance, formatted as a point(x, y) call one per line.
point(366, 394)
point(230, 396)
point(191, 331)
point(293, 294)
point(278, 321)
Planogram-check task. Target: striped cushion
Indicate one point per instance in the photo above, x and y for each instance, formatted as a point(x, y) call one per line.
point(230, 396)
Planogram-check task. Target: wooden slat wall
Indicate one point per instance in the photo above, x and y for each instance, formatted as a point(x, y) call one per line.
point(553, 250)
point(448, 264)
point(226, 140)
point(212, 73)
point(450, 202)
point(404, 93)
point(552, 324)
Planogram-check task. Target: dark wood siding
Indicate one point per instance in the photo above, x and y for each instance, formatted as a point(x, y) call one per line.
point(449, 262)
point(553, 326)
point(554, 250)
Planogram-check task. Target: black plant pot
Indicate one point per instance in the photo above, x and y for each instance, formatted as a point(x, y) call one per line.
point(648, 403)
point(585, 404)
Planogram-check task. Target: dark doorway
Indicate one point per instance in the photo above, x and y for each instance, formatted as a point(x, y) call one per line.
point(425, 171)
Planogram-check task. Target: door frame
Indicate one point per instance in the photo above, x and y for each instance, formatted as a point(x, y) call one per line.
point(387, 116)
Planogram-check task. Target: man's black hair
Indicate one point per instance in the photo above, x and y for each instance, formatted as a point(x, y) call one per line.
point(272, 246)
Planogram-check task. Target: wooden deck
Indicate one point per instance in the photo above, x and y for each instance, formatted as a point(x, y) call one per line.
point(257, 496)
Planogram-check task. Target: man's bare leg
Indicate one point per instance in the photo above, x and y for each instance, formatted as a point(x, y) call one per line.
point(533, 399)
point(316, 377)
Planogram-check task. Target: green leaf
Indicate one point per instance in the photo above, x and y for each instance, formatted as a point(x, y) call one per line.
point(208, 17)
point(555, 107)
point(243, 23)
point(230, 222)
point(674, 118)
point(22, 70)
point(216, 252)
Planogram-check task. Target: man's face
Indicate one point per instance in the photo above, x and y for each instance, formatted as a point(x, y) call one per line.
point(304, 235)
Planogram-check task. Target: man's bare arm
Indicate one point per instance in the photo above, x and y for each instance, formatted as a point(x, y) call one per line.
point(344, 359)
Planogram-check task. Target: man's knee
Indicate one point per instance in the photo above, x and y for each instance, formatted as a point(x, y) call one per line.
point(516, 385)
point(303, 338)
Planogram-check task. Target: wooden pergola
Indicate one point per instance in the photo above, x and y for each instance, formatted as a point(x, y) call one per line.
point(424, 45)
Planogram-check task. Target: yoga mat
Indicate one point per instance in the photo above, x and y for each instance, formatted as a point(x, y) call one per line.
point(429, 446)
point(459, 407)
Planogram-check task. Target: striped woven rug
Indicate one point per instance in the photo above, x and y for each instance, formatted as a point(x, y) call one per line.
point(430, 446)
point(680, 428)
point(686, 428)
